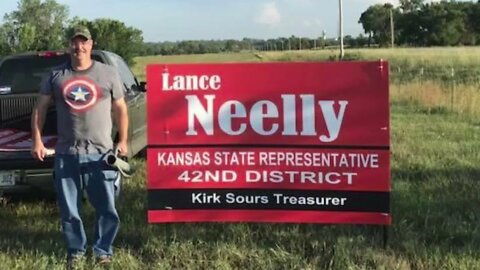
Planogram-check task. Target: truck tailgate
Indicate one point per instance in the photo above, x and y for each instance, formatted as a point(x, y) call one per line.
point(15, 150)
point(22, 160)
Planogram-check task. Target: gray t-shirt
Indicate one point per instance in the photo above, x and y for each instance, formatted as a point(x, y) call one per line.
point(84, 101)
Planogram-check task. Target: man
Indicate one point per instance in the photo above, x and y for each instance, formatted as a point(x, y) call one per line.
point(84, 92)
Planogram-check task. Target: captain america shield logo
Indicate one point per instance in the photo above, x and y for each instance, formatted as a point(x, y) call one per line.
point(81, 94)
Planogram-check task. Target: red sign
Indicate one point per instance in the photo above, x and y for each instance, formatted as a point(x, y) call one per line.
point(276, 142)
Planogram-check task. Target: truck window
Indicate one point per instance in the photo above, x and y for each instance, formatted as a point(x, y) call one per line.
point(124, 71)
point(24, 74)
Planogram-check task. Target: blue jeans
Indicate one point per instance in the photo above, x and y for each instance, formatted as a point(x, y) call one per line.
point(73, 174)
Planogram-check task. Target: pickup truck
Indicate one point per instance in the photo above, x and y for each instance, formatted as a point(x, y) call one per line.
point(20, 78)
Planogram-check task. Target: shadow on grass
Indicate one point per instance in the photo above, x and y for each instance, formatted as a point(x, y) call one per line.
point(29, 223)
point(438, 208)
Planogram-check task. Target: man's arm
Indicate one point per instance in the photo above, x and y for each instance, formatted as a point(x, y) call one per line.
point(38, 119)
point(120, 115)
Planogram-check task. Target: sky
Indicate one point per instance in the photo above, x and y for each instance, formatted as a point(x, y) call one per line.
point(174, 20)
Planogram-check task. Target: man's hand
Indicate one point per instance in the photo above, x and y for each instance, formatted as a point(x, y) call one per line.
point(38, 151)
point(38, 119)
point(121, 120)
point(122, 148)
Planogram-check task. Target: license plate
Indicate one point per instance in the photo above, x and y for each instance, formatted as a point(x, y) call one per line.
point(7, 179)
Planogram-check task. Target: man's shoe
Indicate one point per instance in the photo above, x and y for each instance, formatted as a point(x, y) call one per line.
point(74, 261)
point(104, 260)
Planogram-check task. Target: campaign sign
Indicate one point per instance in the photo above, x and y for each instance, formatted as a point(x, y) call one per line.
point(269, 142)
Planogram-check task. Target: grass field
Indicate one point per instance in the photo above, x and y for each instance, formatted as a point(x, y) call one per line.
point(435, 202)
point(407, 64)
point(437, 78)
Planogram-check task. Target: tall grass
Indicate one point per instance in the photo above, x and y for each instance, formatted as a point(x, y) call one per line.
point(407, 64)
point(434, 97)
point(459, 64)
point(436, 78)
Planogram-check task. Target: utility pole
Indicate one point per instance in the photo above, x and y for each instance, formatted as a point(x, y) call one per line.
point(340, 11)
point(300, 43)
point(392, 28)
point(324, 37)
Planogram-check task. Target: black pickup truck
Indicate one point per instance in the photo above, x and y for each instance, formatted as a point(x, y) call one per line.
point(20, 78)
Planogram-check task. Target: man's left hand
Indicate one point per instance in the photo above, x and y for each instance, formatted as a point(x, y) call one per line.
point(122, 148)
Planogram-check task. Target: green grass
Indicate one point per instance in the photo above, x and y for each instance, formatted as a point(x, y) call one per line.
point(435, 199)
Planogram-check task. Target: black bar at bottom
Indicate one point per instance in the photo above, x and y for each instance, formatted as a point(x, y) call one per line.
point(325, 200)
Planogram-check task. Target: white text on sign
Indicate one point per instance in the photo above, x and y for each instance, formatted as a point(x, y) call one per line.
point(265, 109)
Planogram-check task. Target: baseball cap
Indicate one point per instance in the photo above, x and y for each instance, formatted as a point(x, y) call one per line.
point(81, 31)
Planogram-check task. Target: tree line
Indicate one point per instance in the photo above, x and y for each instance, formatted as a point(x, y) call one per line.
point(246, 44)
point(417, 23)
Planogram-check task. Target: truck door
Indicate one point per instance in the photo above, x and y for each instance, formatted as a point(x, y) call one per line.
point(136, 105)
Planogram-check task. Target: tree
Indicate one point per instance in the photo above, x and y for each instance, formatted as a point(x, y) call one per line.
point(473, 25)
point(112, 35)
point(443, 23)
point(362, 41)
point(407, 23)
point(376, 22)
point(6, 39)
point(35, 25)
point(232, 46)
point(410, 5)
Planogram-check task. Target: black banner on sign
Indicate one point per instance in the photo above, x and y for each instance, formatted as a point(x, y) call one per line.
point(348, 201)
